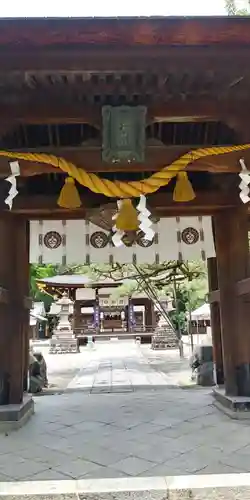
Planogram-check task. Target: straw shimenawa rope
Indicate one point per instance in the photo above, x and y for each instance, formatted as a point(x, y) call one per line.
point(130, 189)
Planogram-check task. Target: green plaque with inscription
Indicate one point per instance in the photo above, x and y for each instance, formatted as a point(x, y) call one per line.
point(123, 133)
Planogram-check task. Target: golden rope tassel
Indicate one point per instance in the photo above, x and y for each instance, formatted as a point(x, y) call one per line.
point(127, 218)
point(69, 196)
point(183, 189)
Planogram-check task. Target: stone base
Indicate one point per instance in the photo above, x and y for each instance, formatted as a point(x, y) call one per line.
point(58, 346)
point(162, 343)
point(159, 343)
point(205, 374)
point(235, 407)
point(12, 417)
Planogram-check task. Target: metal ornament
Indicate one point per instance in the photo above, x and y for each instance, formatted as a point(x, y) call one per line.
point(245, 181)
point(15, 172)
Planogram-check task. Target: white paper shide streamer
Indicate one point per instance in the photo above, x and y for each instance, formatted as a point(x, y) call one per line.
point(144, 218)
point(245, 181)
point(15, 172)
point(118, 234)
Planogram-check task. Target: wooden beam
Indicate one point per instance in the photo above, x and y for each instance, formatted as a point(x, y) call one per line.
point(205, 108)
point(168, 32)
point(157, 157)
point(47, 106)
point(214, 296)
point(243, 287)
point(162, 204)
point(134, 58)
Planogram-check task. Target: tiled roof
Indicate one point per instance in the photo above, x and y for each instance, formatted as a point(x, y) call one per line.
point(77, 280)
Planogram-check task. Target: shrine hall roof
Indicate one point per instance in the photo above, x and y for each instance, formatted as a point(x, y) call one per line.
point(124, 31)
point(78, 281)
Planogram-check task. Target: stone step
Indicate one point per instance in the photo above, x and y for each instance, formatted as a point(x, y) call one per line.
point(198, 487)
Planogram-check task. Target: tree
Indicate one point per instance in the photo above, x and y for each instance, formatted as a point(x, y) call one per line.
point(189, 294)
point(39, 272)
point(232, 8)
point(155, 279)
point(185, 282)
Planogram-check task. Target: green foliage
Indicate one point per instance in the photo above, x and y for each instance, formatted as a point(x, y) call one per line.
point(39, 272)
point(186, 283)
point(188, 296)
point(232, 8)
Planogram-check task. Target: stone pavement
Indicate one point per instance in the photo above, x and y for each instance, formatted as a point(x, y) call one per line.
point(148, 433)
point(112, 366)
point(123, 415)
point(120, 366)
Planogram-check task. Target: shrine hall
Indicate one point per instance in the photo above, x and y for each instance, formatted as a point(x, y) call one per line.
point(98, 310)
point(125, 140)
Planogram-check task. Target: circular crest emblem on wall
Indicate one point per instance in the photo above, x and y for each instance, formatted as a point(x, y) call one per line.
point(99, 239)
point(190, 235)
point(52, 240)
point(142, 242)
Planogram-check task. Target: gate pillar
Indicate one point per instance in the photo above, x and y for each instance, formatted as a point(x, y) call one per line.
point(14, 308)
point(231, 241)
point(215, 321)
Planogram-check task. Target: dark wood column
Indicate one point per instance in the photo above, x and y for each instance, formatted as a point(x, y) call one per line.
point(149, 313)
point(27, 300)
point(15, 304)
point(215, 321)
point(77, 315)
point(231, 238)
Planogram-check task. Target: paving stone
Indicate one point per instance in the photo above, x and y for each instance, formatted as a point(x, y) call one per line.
point(48, 475)
point(19, 468)
point(237, 461)
point(214, 467)
point(44, 455)
point(76, 468)
point(105, 472)
point(4, 478)
point(133, 465)
point(157, 454)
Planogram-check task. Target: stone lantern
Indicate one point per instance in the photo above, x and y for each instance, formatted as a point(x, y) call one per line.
point(63, 339)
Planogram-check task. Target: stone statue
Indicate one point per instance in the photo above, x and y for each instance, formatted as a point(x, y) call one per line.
point(37, 373)
point(35, 378)
point(202, 366)
point(43, 367)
